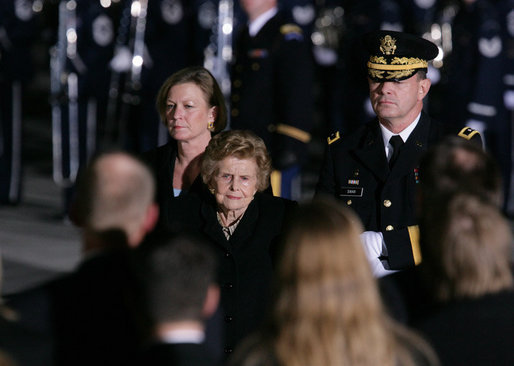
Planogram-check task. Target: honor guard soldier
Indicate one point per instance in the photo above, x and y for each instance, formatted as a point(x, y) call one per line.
point(473, 91)
point(375, 169)
point(79, 85)
point(153, 41)
point(18, 29)
point(272, 82)
point(506, 9)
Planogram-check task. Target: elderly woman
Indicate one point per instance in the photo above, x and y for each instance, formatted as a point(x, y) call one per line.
point(327, 309)
point(192, 107)
point(242, 224)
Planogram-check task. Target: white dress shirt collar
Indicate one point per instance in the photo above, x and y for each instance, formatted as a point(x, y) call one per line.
point(255, 26)
point(386, 135)
point(183, 336)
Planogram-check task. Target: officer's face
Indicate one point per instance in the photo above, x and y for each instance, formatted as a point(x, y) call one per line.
point(188, 113)
point(254, 8)
point(398, 102)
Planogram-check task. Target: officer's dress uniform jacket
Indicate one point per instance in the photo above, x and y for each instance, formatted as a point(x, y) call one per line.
point(176, 354)
point(245, 260)
point(272, 79)
point(356, 171)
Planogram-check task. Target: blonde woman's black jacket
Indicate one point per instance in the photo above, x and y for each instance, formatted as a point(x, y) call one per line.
point(161, 161)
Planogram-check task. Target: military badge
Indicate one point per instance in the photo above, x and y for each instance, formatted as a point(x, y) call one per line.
point(351, 192)
point(333, 137)
point(416, 175)
point(388, 45)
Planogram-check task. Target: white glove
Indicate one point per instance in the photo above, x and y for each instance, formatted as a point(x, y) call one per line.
point(374, 247)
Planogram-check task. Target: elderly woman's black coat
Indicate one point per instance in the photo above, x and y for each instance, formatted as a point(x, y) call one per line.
point(245, 261)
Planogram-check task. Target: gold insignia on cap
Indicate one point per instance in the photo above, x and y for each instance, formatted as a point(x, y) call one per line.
point(333, 138)
point(467, 133)
point(388, 45)
point(397, 63)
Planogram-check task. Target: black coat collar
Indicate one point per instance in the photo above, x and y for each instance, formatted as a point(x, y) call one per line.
point(213, 229)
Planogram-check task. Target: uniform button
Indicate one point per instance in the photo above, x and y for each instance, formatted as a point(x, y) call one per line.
point(349, 202)
point(229, 285)
point(227, 254)
point(228, 350)
point(235, 98)
point(389, 228)
point(235, 112)
point(237, 83)
point(387, 203)
point(228, 319)
point(255, 66)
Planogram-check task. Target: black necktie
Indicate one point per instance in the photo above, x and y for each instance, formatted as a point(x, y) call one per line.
point(396, 141)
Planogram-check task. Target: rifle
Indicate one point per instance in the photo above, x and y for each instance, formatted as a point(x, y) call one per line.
point(126, 79)
point(218, 55)
point(64, 88)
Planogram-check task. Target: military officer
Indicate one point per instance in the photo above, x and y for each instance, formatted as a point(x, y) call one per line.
point(374, 170)
point(272, 81)
point(80, 85)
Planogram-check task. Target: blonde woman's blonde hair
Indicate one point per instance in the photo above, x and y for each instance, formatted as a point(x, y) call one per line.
point(327, 308)
point(466, 246)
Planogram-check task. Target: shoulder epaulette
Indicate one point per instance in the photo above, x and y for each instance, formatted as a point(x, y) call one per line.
point(291, 31)
point(468, 133)
point(333, 137)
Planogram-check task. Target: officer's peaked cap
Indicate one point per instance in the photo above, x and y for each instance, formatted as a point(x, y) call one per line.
point(396, 55)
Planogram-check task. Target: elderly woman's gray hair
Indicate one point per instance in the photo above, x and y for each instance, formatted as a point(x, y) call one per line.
point(240, 144)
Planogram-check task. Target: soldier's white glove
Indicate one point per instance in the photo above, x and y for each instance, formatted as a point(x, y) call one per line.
point(374, 247)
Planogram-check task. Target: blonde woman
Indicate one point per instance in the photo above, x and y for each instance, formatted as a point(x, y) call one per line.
point(327, 310)
point(466, 244)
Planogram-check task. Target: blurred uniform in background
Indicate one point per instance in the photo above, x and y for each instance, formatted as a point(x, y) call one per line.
point(153, 42)
point(473, 77)
point(84, 44)
point(506, 11)
point(272, 90)
point(18, 29)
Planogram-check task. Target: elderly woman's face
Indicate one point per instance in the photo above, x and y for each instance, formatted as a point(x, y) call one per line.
point(187, 112)
point(235, 184)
